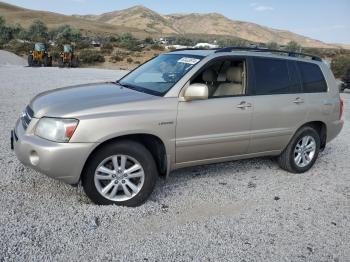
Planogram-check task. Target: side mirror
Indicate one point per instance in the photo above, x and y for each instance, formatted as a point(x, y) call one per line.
point(196, 91)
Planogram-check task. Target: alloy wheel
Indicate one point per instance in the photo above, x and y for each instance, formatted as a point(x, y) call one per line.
point(304, 151)
point(119, 177)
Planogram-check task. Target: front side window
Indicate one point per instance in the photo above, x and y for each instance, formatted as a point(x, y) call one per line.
point(224, 78)
point(160, 74)
point(312, 78)
point(272, 76)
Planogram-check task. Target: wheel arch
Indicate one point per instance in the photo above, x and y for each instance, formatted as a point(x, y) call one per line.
point(152, 142)
point(321, 129)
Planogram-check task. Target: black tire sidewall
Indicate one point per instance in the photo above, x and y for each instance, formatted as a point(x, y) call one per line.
point(306, 131)
point(130, 148)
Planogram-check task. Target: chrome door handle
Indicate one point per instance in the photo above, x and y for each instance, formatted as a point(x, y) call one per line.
point(298, 100)
point(244, 105)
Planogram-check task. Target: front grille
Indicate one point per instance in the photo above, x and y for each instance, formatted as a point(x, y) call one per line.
point(26, 117)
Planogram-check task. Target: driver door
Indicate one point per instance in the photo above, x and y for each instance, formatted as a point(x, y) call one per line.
point(215, 129)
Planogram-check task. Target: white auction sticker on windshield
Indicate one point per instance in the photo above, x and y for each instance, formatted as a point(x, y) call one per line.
point(189, 60)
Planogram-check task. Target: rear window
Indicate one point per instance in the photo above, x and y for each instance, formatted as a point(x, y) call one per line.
point(274, 76)
point(312, 78)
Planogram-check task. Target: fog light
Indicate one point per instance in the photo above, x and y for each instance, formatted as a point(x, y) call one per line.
point(34, 158)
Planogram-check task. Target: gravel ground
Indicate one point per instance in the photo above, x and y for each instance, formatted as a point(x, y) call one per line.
point(8, 58)
point(238, 211)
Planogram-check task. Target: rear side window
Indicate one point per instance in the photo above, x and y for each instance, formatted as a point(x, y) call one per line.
point(312, 78)
point(272, 76)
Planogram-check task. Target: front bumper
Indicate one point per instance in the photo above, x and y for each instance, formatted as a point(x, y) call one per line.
point(61, 161)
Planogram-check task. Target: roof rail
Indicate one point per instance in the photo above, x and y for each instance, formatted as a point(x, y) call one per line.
point(192, 48)
point(256, 49)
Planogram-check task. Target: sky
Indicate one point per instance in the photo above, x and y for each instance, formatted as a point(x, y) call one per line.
point(325, 20)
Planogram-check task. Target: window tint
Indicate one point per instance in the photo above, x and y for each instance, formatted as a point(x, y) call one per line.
point(295, 83)
point(271, 76)
point(312, 78)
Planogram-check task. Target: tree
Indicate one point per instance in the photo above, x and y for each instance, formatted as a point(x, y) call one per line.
point(2, 22)
point(18, 32)
point(149, 40)
point(65, 33)
point(272, 45)
point(340, 65)
point(5, 32)
point(293, 46)
point(38, 31)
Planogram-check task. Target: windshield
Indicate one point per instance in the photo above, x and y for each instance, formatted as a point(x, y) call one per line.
point(67, 48)
point(39, 47)
point(160, 74)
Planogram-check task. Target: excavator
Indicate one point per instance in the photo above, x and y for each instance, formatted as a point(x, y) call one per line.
point(68, 57)
point(39, 56)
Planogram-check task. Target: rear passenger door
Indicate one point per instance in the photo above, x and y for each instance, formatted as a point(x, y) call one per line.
point(319, 103)
point(278, 104)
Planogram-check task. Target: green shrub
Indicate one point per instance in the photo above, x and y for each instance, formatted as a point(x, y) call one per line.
point(129, 60)
point(18, 48)
point(107, 48)
point(157, 47)
point(117, 57)
point(132, 46)
point(90, 56)
point(55, 55)
point(79, 45)
point(340, 65)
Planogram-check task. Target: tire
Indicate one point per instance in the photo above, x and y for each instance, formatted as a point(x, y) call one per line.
point(60, 63)
point(93, 184)
point(75, 62)
point(287, 159)
point(342, 87)
point(46, 61)
point(50, 62)
point(30, 60)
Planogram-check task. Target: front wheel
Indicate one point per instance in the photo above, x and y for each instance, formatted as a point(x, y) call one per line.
point(301, 152)
point(121, 173)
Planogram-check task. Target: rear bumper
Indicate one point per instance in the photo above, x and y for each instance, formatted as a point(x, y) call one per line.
point(61, 161)
point(333, 129)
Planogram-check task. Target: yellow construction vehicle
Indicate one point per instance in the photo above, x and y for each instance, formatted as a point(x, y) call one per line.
point(39, 56)
point(68, 57)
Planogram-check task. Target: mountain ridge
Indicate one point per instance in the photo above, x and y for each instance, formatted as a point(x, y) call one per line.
point(142, 22)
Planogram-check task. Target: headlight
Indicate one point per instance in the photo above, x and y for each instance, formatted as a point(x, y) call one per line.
point(56, 129)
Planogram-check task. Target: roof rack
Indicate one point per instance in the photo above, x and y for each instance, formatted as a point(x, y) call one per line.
point(255, 49)
point(192, 48)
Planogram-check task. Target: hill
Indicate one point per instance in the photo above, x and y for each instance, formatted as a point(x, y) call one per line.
point(142, 22)
point(18, 15)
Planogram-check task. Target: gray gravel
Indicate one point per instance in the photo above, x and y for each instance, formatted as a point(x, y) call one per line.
point(8, 58)
point(238, 211)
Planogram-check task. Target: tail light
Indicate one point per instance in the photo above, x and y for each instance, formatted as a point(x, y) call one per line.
point(341, 108)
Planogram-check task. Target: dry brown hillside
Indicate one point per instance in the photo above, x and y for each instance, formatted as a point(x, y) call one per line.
point(138, 17)
point(218, 24)
point(142, 21)
point(25, 17)
point(201, 24)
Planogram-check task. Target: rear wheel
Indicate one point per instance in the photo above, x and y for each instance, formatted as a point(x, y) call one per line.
point(301, 152)
point(75, 62)
point(60, 62)
point(46, 61)
point(121, 173)
point(30, 60)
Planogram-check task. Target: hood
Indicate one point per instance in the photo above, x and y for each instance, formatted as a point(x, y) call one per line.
point(80, 100)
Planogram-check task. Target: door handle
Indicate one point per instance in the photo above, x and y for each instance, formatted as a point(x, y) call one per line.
point(298, 100)
point(244, 105)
